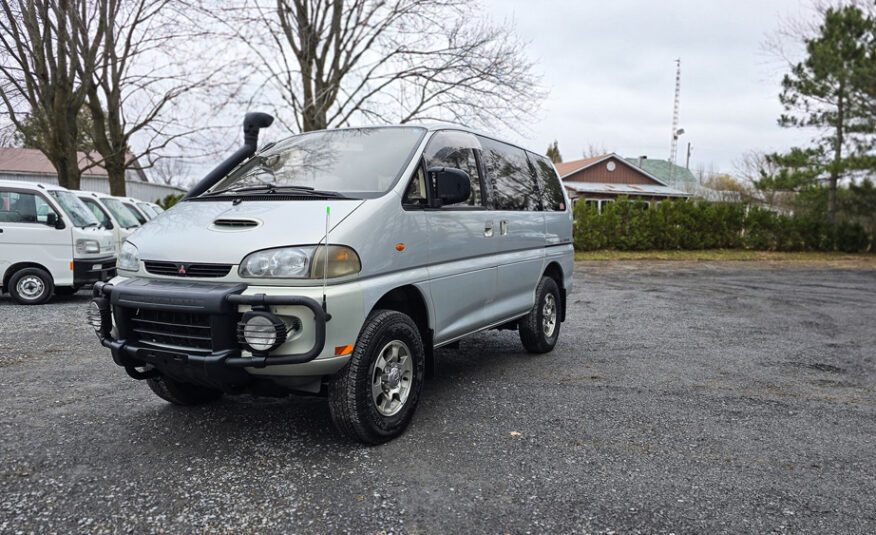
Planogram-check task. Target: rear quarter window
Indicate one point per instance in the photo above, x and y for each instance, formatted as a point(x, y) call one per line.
point(508, 171)
point(551, 188)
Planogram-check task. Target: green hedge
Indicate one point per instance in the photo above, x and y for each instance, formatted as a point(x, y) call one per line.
point(625, 225)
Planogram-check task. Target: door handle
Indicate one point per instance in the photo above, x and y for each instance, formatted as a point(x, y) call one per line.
point(488, 229)
point(503, 228)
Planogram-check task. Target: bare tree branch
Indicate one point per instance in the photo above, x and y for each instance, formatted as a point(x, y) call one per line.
point(38, 77)
point(335, 62)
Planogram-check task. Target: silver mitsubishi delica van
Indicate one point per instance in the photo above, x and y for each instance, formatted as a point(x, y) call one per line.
point(336, 262)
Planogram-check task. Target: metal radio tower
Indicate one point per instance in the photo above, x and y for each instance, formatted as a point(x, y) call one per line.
point(675, 130)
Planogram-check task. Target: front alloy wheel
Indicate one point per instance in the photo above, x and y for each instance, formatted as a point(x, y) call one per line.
point(392, 378)
point(373, 398)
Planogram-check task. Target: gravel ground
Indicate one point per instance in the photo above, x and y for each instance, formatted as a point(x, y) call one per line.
point(682, 398)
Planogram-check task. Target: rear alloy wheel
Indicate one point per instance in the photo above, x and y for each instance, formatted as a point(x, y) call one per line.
point(373, 398)
point(540, 329)
point(31, 286)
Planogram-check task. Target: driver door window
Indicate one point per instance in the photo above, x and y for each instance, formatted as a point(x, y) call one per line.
point(456, 149)
point(18, 207)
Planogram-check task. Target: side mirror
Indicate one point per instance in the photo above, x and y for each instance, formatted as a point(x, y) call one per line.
point(53, 220)
point(109, 225)
point(449, 185)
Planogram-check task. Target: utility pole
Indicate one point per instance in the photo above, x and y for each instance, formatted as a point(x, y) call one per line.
point(673, 151)
point(687, 160)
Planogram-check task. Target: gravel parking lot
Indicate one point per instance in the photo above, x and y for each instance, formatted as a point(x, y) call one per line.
point(682, 398)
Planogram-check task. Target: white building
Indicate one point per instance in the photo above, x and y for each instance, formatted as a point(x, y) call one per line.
point(31, 165)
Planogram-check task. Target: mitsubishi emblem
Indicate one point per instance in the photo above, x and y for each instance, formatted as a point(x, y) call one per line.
point(182, 269)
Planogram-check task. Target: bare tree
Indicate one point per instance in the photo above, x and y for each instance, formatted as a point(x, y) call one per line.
point(134, 79)
point(725, 188)
point(170, 171)
point(329, 63)
point(751, 168)
point(7, 136)
point(553, 152)
point(593, 150)
point(39, 61)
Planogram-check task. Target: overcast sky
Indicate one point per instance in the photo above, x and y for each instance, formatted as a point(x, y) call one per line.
point(609, 66)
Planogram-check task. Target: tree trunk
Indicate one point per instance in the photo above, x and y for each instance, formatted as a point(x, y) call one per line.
point(837, 159)
point(67, 167)
point(115, 170)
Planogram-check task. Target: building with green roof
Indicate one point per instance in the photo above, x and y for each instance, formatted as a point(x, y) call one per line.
point(681, 177)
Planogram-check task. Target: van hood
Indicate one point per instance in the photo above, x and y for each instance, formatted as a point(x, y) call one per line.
point(188, 233)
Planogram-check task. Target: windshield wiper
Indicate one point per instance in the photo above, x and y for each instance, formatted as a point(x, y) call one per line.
point(258, 187)
point(274, 188)
point(90, 225)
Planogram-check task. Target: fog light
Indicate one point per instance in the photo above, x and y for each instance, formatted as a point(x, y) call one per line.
point(97, 315)
point(261, 331)
point(93, 317)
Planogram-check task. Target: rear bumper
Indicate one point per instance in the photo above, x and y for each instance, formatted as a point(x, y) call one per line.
point(91, 270)
point(219, 361)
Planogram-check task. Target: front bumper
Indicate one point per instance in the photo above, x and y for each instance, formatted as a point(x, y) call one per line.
point(91, 270)
point(206, 314)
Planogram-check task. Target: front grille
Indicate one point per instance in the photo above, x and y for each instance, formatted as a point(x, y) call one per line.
point(172, 330)
point(181, 269)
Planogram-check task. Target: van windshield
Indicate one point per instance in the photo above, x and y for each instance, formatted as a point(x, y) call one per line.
point(75, 209)
point(122, 214)
point(147, 209)
point(362, 162)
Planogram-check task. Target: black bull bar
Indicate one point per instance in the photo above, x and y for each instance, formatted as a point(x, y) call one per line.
point(219, 302)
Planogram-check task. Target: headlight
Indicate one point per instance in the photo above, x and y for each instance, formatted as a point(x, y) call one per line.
point(289, 262)
point(87, 246)
point(300, 263)
point(129, 257)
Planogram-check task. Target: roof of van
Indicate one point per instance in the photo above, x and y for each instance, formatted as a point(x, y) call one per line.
point(433, 126)
point(95, 194)
point(31, 185)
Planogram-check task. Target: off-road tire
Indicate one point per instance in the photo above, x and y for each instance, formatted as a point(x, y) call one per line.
point(353, 410)
point(48, 286)
point(180, 393)
point(531, 326)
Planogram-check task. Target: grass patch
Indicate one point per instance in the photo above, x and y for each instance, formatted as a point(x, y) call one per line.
point(734, 255)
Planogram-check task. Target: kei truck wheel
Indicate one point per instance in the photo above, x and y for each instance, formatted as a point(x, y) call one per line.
point(31, 286)
point(540, 328)
point(373, 398)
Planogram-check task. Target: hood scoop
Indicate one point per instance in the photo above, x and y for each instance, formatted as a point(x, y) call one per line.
point(229, 224)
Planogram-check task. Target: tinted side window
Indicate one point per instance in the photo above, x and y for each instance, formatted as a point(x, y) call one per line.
point(98, 212)
point(135, 213)
point(549, 183)
point(514, 186)
point(456, 149)
point(18, 207)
